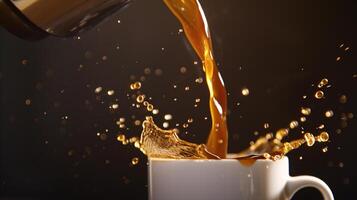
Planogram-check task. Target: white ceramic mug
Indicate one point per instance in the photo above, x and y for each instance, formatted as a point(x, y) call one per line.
point(226, 179)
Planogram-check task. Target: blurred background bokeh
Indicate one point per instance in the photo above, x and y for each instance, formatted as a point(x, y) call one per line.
point(59, 138)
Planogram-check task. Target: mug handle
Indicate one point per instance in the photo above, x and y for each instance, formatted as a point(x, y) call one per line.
point(296, 183)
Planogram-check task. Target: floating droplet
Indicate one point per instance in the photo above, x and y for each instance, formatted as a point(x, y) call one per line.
point(98, 90)
point(165, 124)
point(302, 119)
point(168, 117)
point(319, 94)
point(325, 149)
point(323, 137)
point(329, 113)
point(121, 138)
point(110, 92)
point(135, 161)
point(338, 58)
point(190, 120)
point(140, 98)
point(147, 71)
point(137, 122)
point(187, 88)
point(115, 106)
point(199, 80)
point(310, 139)
point(266, 125)
point(294, 124)
point(322, 83)
point(305, 111)
point(184, 125)
point(245, 91)
point(343, 99)
point(155, 111)
point(150, 107)
point(197, 100)
point(135, 86)
point(28, 102)
point(183, 70)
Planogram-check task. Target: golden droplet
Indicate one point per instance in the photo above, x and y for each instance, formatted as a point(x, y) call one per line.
point(115, 106)
point(121, 138)
point(199, 80)
point(310, 139)
point(135, 161)
point(140, 98)
point(167, 117)
point(137, 122)
point(280, 134)
point(184, 125)
point(329, 113)
point(190, 120)
point(137, 145)
point(98, 90)
point(266, 125)
point(165, 124)
point(183, 70)
point(110, 92)
point(322, 83)
point(155, 111)
point(28, 102)
point(294, 124)
point(323, 137)
point(305, 111)
point(343, 99)
point(135, 86)
point(245, 91)
point(319, 94)
point(150, 107)
point(325, 149)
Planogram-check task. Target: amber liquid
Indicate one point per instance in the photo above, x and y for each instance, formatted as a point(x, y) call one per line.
point(194, 23)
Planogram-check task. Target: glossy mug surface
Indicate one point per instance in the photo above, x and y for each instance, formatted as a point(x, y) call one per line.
point(226, 179)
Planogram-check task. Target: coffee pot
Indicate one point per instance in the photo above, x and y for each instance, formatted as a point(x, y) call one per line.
point(36, 19)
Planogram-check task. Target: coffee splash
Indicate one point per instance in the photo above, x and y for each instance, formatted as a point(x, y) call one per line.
point(156, 142)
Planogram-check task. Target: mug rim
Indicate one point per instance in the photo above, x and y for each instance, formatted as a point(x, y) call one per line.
point(259, 160)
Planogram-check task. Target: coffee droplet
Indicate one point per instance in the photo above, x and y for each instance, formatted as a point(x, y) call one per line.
point(310, 139)
point(343, 99)
point(319, 94)
point(305, 111)
point(329, 113)
point(323, 137)
point(98, 90)
point(322, 83)
point(266, 125)
point(167, 117)
point(135, 86)
point(294, 124)
point(245, 91)
point(303, 119)
point(140, 98)
point(280, 134)
point(121, 138)
point(150, 107)
point(190, 120)
point(135, 161)
point(110, 92)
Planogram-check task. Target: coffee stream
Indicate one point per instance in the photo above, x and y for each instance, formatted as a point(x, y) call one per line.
point(194, 23)
point(156, 142)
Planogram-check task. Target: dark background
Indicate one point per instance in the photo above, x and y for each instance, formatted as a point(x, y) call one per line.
point(278, 49)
